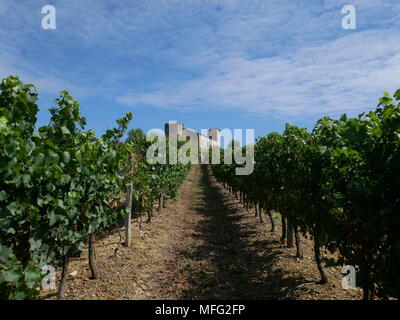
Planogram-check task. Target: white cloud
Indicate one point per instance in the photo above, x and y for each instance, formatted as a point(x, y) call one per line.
point(345, 75)
point(259, 57)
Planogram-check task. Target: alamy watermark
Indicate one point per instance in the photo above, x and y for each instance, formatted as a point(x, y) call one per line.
point(349, 280)
point(49, 20)
point(191, 147)
point(349, 21)
point(49, 279)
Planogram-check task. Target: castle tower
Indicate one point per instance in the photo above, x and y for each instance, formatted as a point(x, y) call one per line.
point(173, 128)
point(215, 136)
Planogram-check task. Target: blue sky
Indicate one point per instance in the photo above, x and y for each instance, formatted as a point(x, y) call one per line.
point(226, 64)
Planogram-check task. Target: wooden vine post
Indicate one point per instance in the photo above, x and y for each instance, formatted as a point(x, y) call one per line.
point(128, 216)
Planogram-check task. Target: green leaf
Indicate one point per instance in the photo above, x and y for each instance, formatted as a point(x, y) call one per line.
point(3, 125)
point(13, 207)
point(19, 295)
point(65, 178)
point(5, 254)
point(26, 178)
point(397, 94)
point(35, 243)
point(32, 276)
point(38, 161)
point(53, 219)
point(64, 130)
point(339, 196)
point(11, 231)
point(66, 157)
point(11, 275)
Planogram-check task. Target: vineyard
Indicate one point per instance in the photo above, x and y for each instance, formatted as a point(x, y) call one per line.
point(63, 190)
point(339, 185)
point(61, 185)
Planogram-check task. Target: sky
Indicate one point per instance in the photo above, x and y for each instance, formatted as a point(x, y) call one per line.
point(237, 64)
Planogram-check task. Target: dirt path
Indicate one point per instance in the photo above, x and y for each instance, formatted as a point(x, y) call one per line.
point(202, 246)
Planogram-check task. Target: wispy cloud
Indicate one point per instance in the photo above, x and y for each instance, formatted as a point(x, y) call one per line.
point(263, 58)
point(343, 75)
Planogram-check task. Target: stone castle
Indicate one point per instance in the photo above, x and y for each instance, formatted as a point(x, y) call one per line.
point(212, 140)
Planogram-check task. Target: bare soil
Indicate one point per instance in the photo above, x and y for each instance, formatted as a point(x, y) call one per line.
point(204, 245)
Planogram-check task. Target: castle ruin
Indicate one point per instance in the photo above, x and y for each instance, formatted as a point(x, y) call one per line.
point(212, 140)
